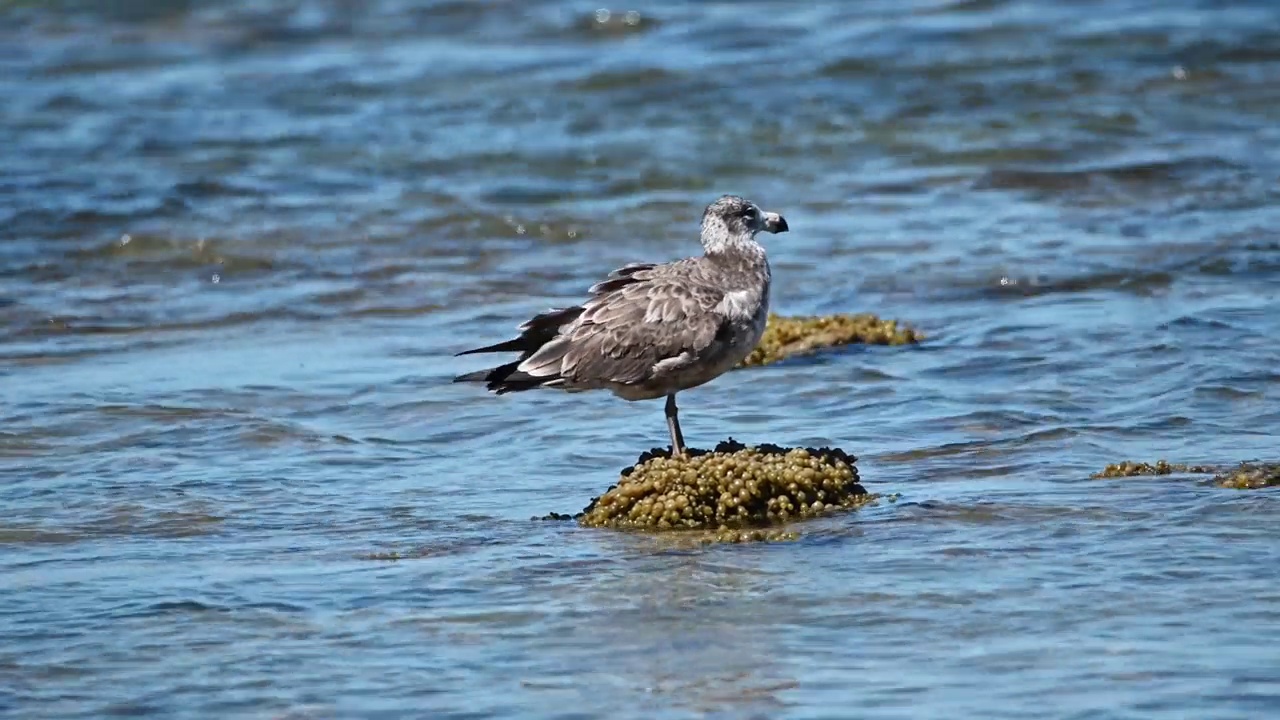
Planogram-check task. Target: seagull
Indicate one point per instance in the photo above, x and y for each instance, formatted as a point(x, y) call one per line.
point(650, 330)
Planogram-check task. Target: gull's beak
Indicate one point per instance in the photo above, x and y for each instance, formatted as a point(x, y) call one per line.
point(775, 223)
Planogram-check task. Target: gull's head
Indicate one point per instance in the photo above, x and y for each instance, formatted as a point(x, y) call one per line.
point(732, 216)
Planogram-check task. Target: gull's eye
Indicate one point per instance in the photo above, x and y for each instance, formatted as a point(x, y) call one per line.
point(747, 212)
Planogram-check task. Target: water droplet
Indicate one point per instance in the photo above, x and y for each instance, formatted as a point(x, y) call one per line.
point(602, 16)
point(125, 239)
point(1179, 72)
point(520, 229)
point(216, 278)
point(632, 17)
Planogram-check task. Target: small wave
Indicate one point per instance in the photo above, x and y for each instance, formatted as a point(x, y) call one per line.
point(1137, 282)
point(37, 536)
point(605, 24)
point(181, 607)
point(121, 521)
point(631, 79)
point(1251, 48)
point(91, 325)
point(172, 253)
point(1130, 175)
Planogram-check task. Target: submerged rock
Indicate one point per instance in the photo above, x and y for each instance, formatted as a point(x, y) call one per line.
point(1127, 468)
point(1249, 476)
point(1245, 476)
point(734, 492)
point(786, 337)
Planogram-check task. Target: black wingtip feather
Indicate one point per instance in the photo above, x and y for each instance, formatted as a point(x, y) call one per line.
point(537, 332)
point(519, 344)
point(505, 379)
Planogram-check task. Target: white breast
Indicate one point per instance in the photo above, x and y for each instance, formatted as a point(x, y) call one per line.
point(740, 305)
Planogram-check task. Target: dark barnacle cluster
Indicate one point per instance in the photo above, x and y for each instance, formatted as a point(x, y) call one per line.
point(786, 337)
point(736, 492)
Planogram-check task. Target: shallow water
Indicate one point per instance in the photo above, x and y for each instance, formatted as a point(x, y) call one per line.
point(242, 241)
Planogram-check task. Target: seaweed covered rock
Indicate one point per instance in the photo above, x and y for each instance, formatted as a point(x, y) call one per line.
point(734, 490)
point(1245, 476)
point(786, 337)
point(1249, 476)
point(1128, 468)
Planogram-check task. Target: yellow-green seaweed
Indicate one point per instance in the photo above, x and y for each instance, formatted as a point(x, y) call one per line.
point(786, 337)
point(1249, 476)
point(1128, 468)
point(1245, 476)
point(733, 493)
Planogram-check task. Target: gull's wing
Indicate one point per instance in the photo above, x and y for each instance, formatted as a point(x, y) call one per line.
point(643, 319)
point(543, 327)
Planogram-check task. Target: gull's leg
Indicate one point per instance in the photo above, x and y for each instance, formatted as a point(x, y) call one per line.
point(673, 425)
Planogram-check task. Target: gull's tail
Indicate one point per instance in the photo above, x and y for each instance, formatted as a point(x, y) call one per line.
point(535, 333)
